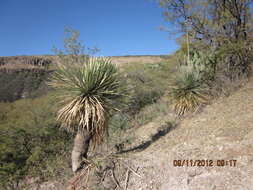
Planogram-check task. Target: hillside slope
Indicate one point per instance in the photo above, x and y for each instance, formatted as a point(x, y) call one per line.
point(25, 76)
point(222, 131)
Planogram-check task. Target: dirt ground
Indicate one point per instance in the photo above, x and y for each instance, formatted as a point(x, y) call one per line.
point(222, 131)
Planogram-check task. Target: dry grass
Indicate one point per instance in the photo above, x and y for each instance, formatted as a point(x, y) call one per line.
point(137, 59)
point(99, 170)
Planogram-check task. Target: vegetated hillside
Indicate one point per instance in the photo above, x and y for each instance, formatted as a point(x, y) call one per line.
point(25, 76)
point(147, 138)
point(222, 131)
point(44, 151)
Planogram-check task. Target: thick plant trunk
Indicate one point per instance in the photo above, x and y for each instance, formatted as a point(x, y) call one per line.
point(80, 150)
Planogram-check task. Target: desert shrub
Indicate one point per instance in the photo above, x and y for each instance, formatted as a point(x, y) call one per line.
point(146, 84)
point(235, 60)
point(119, 121)
point(118, 125)
point(233, 68)
point(142, 98)
point(141, 92)
point(150, 112)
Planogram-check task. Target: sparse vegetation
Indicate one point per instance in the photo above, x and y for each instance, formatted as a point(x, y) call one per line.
point(219, 35)
point(93, 97)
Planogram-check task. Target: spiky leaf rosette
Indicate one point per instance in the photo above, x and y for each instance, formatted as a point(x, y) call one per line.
point(188, 91)
point(88, 91)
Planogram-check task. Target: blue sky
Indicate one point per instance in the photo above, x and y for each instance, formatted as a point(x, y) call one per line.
point(116, 27)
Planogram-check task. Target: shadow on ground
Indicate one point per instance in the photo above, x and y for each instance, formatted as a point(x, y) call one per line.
point(162, 131)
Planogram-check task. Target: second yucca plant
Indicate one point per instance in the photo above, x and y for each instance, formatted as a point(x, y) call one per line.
point(88, 92)
point(188, 90)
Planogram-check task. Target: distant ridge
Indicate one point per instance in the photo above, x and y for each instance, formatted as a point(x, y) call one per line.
point(26, 59)
point(161, 55)
point(25, 76)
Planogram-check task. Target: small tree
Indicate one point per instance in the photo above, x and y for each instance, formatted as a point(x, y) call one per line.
point(211, 21)
point(222, 27)
point(88, 88)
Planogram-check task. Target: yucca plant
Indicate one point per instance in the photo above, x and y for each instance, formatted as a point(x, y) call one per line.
point(88, 91)
point(188, 90)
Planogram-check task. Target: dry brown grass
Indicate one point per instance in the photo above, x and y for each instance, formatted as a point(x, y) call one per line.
point(136, 59)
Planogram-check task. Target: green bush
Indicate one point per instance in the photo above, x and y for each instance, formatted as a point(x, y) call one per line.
point(30, 142)
point(150, 112)
point(235, 60)
point(146, 83)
